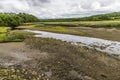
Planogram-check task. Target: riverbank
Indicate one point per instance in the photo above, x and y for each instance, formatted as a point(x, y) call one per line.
point(109, 47)
point(103, 33)
point(67, 61)
point(59, 60)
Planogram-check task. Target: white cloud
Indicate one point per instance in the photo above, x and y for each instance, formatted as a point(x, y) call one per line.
point(60, 8)
point(13, 6)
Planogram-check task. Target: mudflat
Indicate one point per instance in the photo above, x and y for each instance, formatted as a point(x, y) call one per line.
point(14, 53)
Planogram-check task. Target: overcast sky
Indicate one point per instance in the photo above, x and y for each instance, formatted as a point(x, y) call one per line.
point(60, 8)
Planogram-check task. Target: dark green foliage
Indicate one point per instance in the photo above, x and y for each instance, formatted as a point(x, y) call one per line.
point(28, 18)
point(13, 20)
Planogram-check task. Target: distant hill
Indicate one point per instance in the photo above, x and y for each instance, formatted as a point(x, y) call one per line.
point(101, 17)
point(109, 16)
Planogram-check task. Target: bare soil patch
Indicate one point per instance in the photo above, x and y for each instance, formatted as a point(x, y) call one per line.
point(14, 53)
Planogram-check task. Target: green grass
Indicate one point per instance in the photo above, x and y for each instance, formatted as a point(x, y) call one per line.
point(2, 37)
point(7, 35)
point(17, 36)
point(14, 38)
point(3, 33)
point(99, 29)
point(55, 29)
point(4, 29)
point(60, 29)
point(98, 24)
point(95, 24)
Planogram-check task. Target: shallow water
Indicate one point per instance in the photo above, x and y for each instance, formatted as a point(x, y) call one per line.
point(110, 47)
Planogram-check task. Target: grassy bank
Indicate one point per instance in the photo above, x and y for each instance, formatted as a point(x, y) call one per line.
point(3, 33)
point(8, 35)
point(104, 33)
point(55, 29)
point(69, 62)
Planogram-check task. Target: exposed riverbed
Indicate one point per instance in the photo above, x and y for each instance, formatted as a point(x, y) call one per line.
point(110, 47)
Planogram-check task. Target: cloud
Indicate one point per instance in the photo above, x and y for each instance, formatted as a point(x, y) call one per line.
point(60, 8)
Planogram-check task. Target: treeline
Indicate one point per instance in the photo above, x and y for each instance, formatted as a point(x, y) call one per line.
point(13, 20)
point(102, 17)
point(109, 16)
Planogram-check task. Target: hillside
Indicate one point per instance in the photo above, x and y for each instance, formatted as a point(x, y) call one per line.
point(101, 17)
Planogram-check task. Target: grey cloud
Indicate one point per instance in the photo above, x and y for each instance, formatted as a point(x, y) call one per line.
point(60, 8)
point(36, 2)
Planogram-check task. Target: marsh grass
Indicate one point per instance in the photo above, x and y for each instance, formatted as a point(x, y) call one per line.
point(4, 29)
point(14, 38)
point(55, 29)
point(3, 33)
point(17, 36)
point(69, 62)
point(94, 24)
point(2, 36)
point(7, 35)
point(59, 29)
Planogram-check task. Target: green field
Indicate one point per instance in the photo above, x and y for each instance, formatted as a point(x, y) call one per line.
point(94, 24)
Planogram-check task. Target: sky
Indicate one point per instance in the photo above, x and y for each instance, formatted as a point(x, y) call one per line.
point(60, 8)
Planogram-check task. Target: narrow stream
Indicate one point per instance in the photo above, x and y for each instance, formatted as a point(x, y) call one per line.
point(110, 47)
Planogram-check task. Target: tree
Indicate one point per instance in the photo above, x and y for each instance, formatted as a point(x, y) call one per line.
point(13, 20)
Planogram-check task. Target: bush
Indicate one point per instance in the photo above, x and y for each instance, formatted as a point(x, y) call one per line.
point(14, 38)
point(13, 20)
